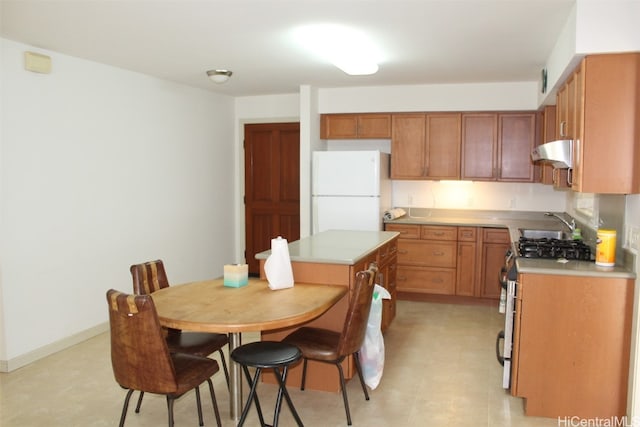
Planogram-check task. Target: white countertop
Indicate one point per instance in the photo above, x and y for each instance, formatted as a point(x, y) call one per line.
point(336, 246)
point(514, 221)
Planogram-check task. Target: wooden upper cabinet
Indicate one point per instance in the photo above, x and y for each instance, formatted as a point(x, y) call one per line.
point(497, 146)
point(606, 101)
point(408, 149)
point(548, 125)
point(479, 146)
point(426, 146)
point(443, 139)
point(355, 126)
point(516, 140)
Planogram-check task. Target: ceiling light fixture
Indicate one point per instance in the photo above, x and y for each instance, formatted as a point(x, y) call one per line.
point(219, 76)
point(348, 49)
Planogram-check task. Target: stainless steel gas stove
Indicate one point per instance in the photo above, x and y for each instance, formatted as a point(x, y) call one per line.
point(554, 249)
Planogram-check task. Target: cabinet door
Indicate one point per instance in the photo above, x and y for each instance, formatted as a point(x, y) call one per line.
point(479, 146)
point(562, 105)
point(408, 159)
point(387, 278)
point(338, 126)
point(516, 140)
point(466, 271)
point(355, 126)
point(495, 242)
point(374, 125)
point(547, 127)
point(467, 261)
point(571, 348)
point(443, 146)
point(575, 127)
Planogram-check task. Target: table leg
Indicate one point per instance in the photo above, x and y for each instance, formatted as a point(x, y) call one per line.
point(235, 378)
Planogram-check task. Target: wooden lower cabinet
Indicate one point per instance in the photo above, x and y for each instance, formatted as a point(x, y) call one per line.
point(323, 376)
point(449, 260)
point(467, 270)
point(572, 344)
point(495, 243)
point(387, 278)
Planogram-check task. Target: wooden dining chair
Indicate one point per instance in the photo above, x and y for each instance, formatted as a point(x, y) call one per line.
point(151, 276)
point(333, 347)
point(141, 359)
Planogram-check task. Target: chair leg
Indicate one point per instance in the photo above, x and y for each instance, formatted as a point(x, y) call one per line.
point(125, 407)
point(139, 402)
point(343, 386)
point(199, 405)
point(304, 374)
point(214, 401)
point(282, 391)
point(170, 410)
point(356, 359)
point(253, 397)
point(224, 366)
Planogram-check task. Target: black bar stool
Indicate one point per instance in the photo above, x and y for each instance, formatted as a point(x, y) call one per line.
point(267, 355)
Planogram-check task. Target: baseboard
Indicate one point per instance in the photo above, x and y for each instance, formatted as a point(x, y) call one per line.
point(49, 349)
point(446, 299)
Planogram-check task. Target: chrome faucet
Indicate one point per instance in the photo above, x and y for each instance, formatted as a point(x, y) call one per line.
point(572, 225)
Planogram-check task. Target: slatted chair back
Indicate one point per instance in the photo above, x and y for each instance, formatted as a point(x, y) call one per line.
point(139, 353)
point(148, 277)
point(355, 325)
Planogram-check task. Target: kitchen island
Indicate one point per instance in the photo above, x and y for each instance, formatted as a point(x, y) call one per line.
point(334, 257)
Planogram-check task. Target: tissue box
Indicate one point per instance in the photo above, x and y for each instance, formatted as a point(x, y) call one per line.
point(236, 275)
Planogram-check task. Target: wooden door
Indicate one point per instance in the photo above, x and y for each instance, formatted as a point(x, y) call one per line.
point(479, 146)
point(272, 186)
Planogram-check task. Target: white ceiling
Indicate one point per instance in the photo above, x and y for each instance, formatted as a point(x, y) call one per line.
point(424, 41)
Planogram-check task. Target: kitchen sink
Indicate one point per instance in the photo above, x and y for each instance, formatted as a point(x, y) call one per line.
point(543, 234)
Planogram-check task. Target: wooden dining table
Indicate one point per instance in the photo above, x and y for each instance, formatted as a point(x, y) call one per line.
point(209, 306)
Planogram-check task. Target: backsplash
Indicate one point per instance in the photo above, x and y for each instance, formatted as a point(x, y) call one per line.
point(478, 195)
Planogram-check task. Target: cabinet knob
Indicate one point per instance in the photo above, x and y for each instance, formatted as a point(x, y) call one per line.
point(438, 253)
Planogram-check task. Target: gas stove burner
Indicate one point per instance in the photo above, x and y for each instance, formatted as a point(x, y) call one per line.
point(554, 249)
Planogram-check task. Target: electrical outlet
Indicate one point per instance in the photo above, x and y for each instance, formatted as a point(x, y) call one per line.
point(410, 199)
point(634, 237)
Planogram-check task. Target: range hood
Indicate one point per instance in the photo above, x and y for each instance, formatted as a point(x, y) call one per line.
point(557, 153)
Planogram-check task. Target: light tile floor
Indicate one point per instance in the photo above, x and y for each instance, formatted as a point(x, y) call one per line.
point(440, 371)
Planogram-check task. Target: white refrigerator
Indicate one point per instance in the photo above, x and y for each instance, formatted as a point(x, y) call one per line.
point(350, 190)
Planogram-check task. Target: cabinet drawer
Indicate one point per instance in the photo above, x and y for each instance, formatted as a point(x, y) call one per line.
point(495, 235)
point(387, 252)
point(427, 253)
point(467, 234)
point(407, 231)
point(426, 280)
point(432, 232)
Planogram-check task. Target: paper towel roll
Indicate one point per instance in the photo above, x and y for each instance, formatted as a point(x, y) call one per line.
point(277, 267)
point(394, 213)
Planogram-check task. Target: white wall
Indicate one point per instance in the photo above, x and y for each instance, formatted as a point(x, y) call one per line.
point(101, 168)
point(445, 97)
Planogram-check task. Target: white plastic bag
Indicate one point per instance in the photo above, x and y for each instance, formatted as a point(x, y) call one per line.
point(372, 350)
